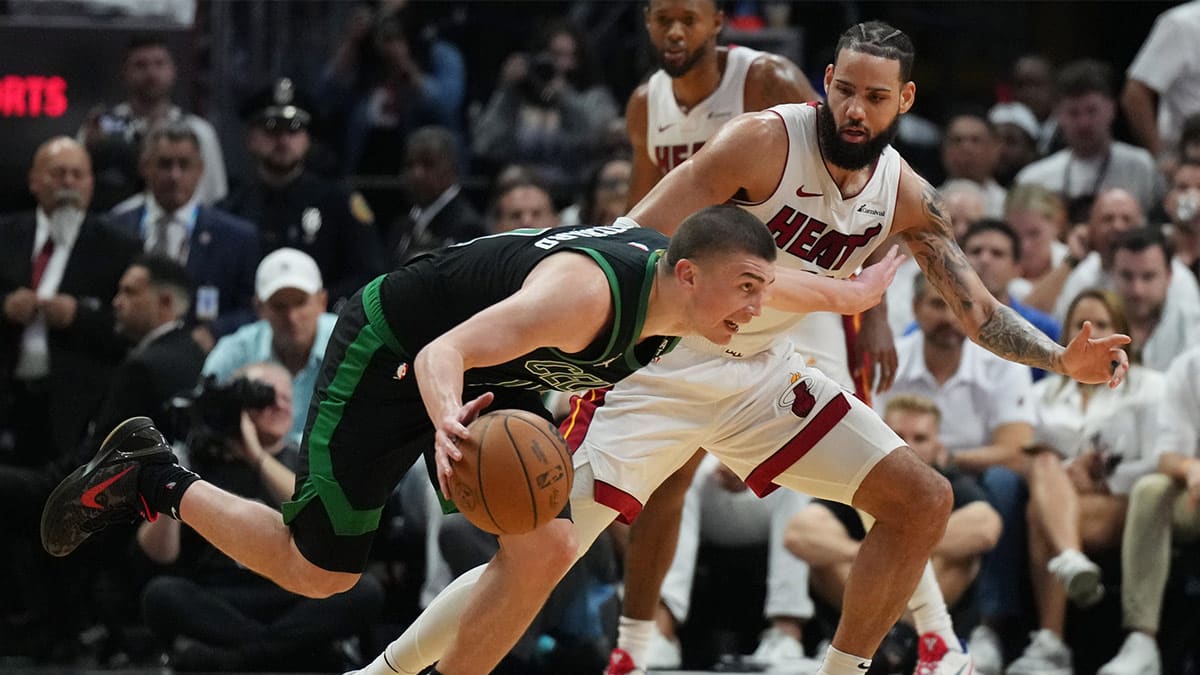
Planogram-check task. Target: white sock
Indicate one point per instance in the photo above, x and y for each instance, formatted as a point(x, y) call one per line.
point(427, 639)
point(840, 663)
point(928, 608)
point(633, 635)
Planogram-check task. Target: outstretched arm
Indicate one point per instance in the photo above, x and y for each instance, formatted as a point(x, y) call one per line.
point(801, 292)
point(925, 224)
point(744, 158)
point(561, 285)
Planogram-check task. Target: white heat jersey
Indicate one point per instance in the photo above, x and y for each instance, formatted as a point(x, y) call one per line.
point(814, 227)
point(673, 135)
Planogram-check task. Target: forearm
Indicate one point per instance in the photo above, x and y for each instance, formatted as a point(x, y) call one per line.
point(279, 480)
point(979, 459)
point(1139, 101)
point(972, 530)
point(1175, 465)
point(1009, 336)
point(1045, 291)
point(801, 292)
point(439, 371)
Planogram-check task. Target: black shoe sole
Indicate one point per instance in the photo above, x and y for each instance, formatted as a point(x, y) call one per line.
point(68, 491)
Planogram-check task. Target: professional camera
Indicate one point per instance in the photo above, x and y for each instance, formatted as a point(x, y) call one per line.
point(210, 415)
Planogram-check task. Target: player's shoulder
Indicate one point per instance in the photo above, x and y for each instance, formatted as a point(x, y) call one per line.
point(917, 200)
point(772, 79)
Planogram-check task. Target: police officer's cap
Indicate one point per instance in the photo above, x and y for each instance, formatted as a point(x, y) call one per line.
point(279, 106)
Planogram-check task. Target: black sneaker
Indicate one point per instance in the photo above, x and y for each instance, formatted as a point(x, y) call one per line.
point(105, 490)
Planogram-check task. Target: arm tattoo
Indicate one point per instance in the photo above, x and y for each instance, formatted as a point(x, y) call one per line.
point(942, 261)
point(1008, 335)
point(1001, 331)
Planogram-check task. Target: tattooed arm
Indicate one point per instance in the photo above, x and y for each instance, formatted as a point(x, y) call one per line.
point(922, 220)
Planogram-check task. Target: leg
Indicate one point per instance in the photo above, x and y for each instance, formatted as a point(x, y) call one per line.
point(225, 519)
point(1000, 579)
point(469, 612)
point(818, 537)
point(652, 539)
point(911, 504)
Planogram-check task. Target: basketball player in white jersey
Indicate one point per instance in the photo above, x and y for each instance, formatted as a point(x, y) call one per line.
point(831, 190)
point(698, 88)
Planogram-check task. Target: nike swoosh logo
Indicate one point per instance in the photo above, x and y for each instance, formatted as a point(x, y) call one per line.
point(864, 666)
point(665, 127)
point(801, 193)
point(89, 497)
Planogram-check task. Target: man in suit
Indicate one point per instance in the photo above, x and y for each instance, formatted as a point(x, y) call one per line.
point(219, 250)
point(150, 305)
point(59, 269)
point(440, 214)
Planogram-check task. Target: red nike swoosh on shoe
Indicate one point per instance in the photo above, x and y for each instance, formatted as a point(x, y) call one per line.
point(801, 193)
point(89, 497)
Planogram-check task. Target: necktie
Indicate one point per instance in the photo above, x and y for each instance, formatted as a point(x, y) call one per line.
point(40, 262)
point(160, 236)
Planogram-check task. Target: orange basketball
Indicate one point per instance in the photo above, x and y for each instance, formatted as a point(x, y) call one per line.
point(515, 474)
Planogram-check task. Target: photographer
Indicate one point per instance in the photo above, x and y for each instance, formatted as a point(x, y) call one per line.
point(113, 135)
point(220, 615)
point(548, 111)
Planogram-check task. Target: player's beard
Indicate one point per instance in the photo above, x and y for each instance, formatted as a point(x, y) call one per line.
point(851, 156)
point(688, 63)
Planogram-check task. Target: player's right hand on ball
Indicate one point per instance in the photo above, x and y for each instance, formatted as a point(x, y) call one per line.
point(449, 431)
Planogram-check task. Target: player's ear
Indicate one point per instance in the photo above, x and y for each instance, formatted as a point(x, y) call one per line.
point(908, 95)
point(828, 79)
point(685, 272)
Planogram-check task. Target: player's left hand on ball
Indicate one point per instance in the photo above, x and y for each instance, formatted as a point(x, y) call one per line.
point(1096, 361)
point(450, 430)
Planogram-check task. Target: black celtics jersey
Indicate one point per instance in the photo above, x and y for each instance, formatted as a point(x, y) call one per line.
point(434, 293)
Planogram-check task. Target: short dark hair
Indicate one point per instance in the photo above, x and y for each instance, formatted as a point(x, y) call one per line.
point(994, 225)
point(174, 131)
point(1085, 76)
point(879, 39)
point(167, 274)
point(1142, 238)
point(720, 229)
point(1191, 130)
point(144, 40)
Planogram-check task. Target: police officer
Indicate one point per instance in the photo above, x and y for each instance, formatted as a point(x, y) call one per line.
point(293, 206)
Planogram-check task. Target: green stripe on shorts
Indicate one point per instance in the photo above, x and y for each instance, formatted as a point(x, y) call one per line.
point(321, 483)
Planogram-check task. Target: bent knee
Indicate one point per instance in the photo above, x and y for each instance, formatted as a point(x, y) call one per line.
point(319, 583)
point(303, 577)
point(904, 490)
point(550, 549)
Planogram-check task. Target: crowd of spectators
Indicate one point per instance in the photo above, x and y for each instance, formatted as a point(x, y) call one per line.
point(145, 269)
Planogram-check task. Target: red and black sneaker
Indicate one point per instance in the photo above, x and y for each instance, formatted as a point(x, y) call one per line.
point(104, 491)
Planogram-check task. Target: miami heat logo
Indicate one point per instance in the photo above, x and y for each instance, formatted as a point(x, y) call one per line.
point(798, 397)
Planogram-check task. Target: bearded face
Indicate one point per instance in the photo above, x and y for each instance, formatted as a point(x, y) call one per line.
point(852, 146)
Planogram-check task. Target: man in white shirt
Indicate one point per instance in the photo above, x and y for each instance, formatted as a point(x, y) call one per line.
point(1162, 325)
point(987, 417)
point(1163, 85)
point(1092, 160)
point(1162, 507)
point(1114, 213)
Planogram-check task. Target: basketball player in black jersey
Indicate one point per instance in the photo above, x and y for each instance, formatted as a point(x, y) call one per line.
point(496, 320)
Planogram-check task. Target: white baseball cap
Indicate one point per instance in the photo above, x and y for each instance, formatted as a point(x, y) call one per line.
point(1017, 114)
point(286, 268)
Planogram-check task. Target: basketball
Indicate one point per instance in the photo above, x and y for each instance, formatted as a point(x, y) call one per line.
point(515, 474)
